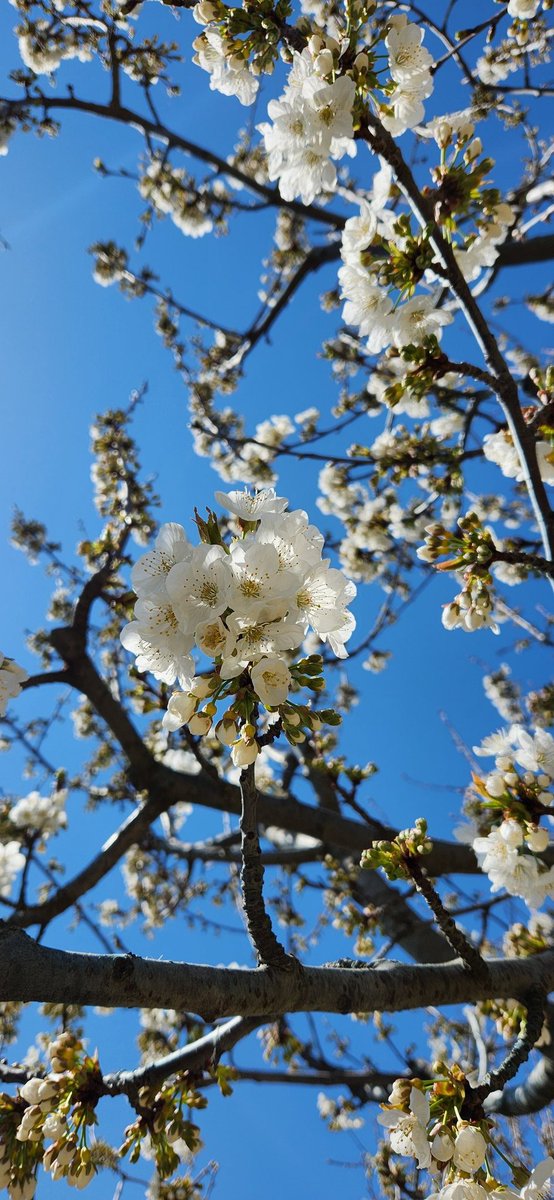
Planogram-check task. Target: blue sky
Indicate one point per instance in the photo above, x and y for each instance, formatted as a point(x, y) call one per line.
point(71, 349)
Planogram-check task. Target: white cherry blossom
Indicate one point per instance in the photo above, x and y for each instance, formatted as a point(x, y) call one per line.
point(252, 506)
point(462, 1189)
point(213, 638)
point(408, 1131)
point(533, 752)
point(159, 644)
point(407, 104)
point(199, 586)
point(11, 678)
point(179, 711)
point(418, 318)
point(228, 73)
point(149, 574)
point(271, 680)
point(470, 1149)
point(524, 10)
point(311, 124)
point(12, 862)
point(258, 578)
point(407, 57)
point(45, 814)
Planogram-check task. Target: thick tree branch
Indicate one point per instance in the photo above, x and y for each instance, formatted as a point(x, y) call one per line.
point(29, 971)
point(528, 250)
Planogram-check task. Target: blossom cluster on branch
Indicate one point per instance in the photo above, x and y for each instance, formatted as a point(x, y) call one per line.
point(511, 803)
point(248, 606)
point(426, 1121)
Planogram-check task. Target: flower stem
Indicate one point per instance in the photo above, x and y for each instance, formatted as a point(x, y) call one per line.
point(269, 950)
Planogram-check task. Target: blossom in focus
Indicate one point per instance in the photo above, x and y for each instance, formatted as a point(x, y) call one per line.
point(251, 506)
point(418, 318)
point(408, 1131)
point(311, 123)
point(271, 679)
point(247, 606)
point(407, 57)
point(159, 644)
point(150, 573)
point(470, 1149)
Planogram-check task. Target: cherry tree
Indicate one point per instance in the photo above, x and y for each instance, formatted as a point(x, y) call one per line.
point(202, 661)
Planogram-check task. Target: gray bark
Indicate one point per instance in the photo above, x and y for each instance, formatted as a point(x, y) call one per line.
point(29, 971)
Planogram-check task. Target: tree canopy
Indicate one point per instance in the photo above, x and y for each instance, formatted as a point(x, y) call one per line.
point(270, 825)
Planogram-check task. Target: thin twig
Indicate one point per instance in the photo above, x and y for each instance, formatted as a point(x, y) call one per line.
point(457, 938)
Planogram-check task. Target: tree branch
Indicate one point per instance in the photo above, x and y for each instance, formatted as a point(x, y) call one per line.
point(506, 389)
point(197, 1056)
point(537, 1091)
point(29, 971)
point(530, 1033)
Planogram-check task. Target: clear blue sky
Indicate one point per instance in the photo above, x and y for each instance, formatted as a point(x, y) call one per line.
point(71, 349)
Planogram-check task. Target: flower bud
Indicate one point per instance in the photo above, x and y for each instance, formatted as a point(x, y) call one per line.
point(511, 832)
point(201, 687)
point(200, 723)
point(495, 785)
point(442, 1147)
point(244, 753)
point(470, 1149)
point(324, 63)
point(537, 839)
point(315, 44)
point(474, 149)
point(226, 732)
point(204, 12)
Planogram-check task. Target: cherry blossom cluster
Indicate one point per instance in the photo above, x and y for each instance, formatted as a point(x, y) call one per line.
point(248, 606)
point(424, 1122)
point(372, 288)
point(221, 56)
point(32, 817)
point(11, 678)
point(59, 1108)
point(165, 187)
point(526, 36)
point(50, 1108)
point(311, 125)
point(411, 80)
point(43, 815)
point(472, 548)
point(513, 799)
point(43, 47)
